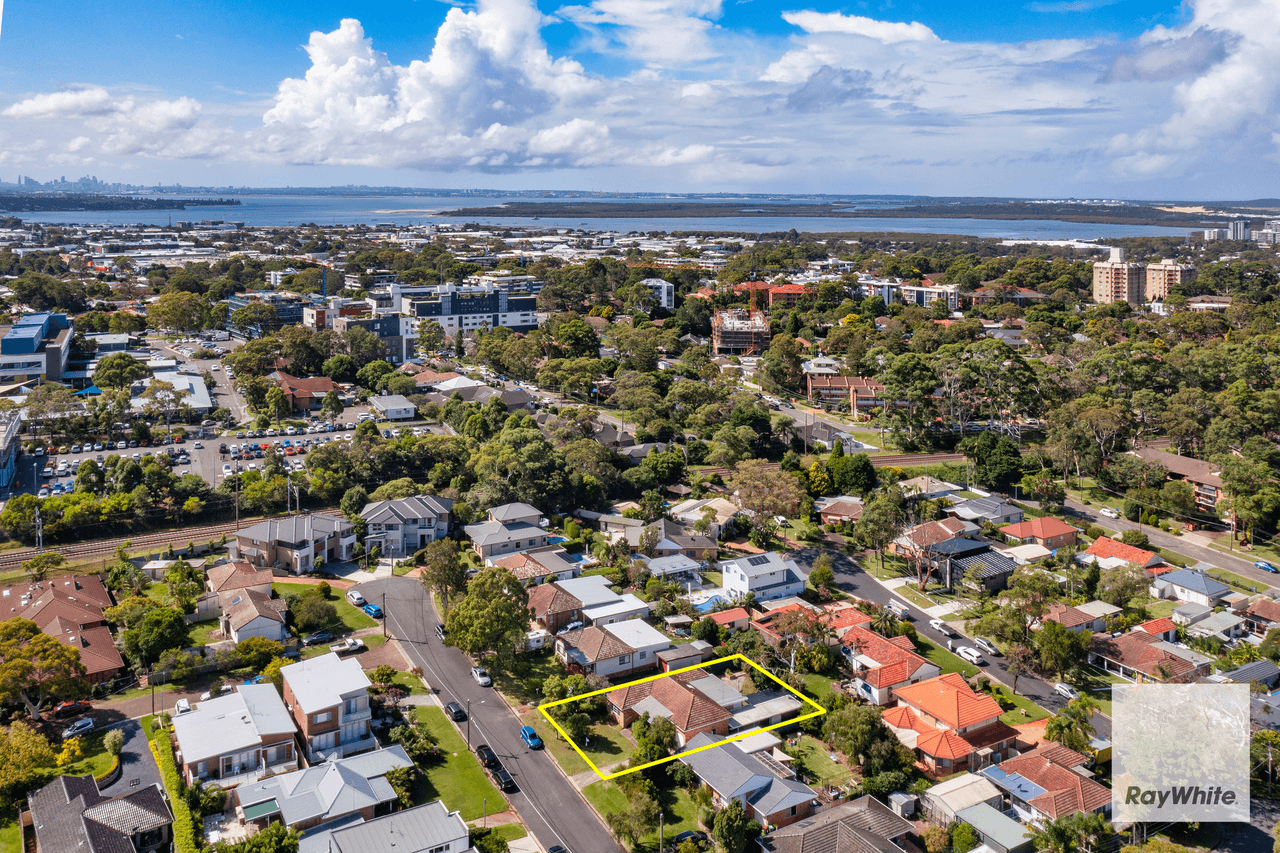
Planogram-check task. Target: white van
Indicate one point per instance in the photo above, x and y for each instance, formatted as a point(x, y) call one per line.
point(897, 608)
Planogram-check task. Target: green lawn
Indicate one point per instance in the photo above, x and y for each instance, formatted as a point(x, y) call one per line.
point(350, 617)
point(1022, 703)
point(608, 745)
point(1097, 683)
point(819, 686)
point(819, 770)
point(508, 831)
point(407, 682)
point(536, 667)
point(715, 578)
point(202, 633)
point(10, 837)
point(1161, 607)
point(915, 596)
point(458, 779)
point(944, 659)
point(681, 812)
point(96, 760)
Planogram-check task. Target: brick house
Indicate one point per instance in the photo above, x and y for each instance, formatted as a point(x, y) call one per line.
point(881, 667)
point(949, 727)
point(328, 697)
point(693, 701)
point(1147, 657)
point(1048, 531)
point(1055, 789)
point(553, 608)
point(236, 738)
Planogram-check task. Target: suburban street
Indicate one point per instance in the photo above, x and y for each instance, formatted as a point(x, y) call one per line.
point(550, 807)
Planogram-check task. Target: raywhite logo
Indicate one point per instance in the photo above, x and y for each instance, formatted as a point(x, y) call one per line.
point(1180, 752)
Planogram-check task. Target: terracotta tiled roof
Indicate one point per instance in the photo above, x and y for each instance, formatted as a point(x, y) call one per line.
point(902, 717)
point(690, 708)
point(1066, 792)
point(1158, 626)
point(843, 619)
point(1265, 609)
point(97, 648)
point(596, 644)
point(725, 617)
point(1104, 548)
point(229, 576)
point(1065, 615)
point(1138, 650)
point(550, 598)
point(933, 532)
point(1039, 528)
point(943, 743)
point(896, 664)
point(950, 700)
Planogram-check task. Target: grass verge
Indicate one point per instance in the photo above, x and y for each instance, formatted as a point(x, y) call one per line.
point(458, 778)
point(945, 660)
point(607, 746)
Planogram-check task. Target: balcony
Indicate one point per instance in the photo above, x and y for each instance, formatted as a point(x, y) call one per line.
point(351, 747)
point(262, 771)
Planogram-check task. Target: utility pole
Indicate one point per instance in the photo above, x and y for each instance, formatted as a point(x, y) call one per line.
point(39, 533)
point(384, 613)
point(468, 724)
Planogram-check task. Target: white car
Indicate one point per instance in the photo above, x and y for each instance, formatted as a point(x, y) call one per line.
point(481, 677)
point(226, 470)
point(79, 727)
point(973, 656)
point(1108, 512)
point(941, 627)
point(1064, 689)
point(356, 598)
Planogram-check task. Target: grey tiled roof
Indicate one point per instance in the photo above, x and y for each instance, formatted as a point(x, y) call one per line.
point(863, 825)
point(70, 815)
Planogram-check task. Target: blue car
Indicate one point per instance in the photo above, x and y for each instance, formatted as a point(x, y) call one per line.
point(530, 737)
point(1266, 567)
point(373, 610)
point(257, 679)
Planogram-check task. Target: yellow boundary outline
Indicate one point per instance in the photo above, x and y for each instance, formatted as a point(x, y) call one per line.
point(805, 699)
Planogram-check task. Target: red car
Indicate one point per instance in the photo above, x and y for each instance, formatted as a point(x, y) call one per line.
point(66, 709)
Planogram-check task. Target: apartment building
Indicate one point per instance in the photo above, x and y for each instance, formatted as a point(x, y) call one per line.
point(739, 332)
point(288, 309)
point(467, 308)
point(1118, 280)
point(35, 348)
point(664, 292)
point(328, 697)
point(295, 542)
point(1164, 276)
point(395, 334)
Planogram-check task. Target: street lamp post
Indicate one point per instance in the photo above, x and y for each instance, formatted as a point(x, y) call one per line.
point(468, 724)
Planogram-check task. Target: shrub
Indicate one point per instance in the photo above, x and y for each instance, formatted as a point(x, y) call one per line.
point(324, 589)
point(1095, 532)
point(114, 742)
point(184, 831)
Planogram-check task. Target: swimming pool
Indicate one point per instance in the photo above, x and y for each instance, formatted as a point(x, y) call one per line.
point(556, 540)
point(710, 604)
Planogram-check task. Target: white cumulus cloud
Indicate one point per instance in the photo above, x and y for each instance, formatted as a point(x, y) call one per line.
point(888, 32)
point(67, 103)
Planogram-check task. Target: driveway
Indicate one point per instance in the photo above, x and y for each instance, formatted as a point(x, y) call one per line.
point(548, 804)
point(137, 764)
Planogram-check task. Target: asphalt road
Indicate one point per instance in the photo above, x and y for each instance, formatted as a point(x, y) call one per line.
point(851, 579)
point(547, 803)
point(1242, 565)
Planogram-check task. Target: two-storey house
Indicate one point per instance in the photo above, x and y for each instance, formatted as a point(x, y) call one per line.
point(493, 539)
point(296, 542)
point(623, 648)
point(329, 699)
point(949, 727)
point(766, 576)
point(403, 526)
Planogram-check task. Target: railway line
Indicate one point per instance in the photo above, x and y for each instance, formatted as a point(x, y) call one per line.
point(907, 460)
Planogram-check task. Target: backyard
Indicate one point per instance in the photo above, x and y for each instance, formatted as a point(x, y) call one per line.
point(812, 756)
point(457, 778)
point(10, 836)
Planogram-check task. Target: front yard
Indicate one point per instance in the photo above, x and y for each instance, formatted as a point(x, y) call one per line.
point(1097, 682)
point(945, 660)
point(351, 617)
point(680, 810)
point(458, 778)
point(608, 745)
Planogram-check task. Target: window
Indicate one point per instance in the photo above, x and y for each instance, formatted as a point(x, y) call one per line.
point(792, 811)
point(624, 658)
point(642, 656)
point(322, 717)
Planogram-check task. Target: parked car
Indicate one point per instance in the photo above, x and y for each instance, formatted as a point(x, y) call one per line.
point(1266, 567)
point(481, 677)
point(502, 778)
point(373, 610)
point(1064, 689)
point(986, 645)
point(440, 630)
point(454, 710)
point(354, 596)
point(530, 737)
point(941, 627)
point(693, 835)
point(317, 638)
point(486, 755)
point(897, 608)
point(67, 709)
point(1108, 512)
point(79, 727)
point(971, 655)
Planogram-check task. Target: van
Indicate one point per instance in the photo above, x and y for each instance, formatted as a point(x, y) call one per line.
point(182, 706)
point(898, 609)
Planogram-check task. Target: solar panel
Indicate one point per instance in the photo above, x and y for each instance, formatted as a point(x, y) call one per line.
point(758, 560)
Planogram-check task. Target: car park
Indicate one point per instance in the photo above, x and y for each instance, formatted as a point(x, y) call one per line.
point(1064, 689)
point(481, 677)
point(486, 755)
point(455, 712)
point(354, 596)
point(79, 727)
point(530, 737)
point(971, 655)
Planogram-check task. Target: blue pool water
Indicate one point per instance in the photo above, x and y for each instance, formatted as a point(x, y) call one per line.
point(710, 604)
point(556, 540)
point(576, 558)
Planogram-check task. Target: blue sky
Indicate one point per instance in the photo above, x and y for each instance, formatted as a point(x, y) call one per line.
point(1087, 98)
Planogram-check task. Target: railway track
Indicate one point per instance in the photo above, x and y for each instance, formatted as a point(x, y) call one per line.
point(905, 460)
point(107, 547)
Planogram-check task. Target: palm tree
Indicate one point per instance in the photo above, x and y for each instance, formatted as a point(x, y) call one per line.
point(1054, 837)
point(884, 622)
point(1088, 828)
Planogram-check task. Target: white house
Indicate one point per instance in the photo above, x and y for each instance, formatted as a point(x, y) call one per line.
point(492, 539)
point(622, 648)
point(1190, 586)
point(401, 527)
point(664, 292)
point(428, 828)
point(600, 604)
point(767, 576)
point(236, 738)
point(393, 407)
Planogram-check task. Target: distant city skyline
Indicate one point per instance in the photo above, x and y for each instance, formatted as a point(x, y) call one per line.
point(1083, 98)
